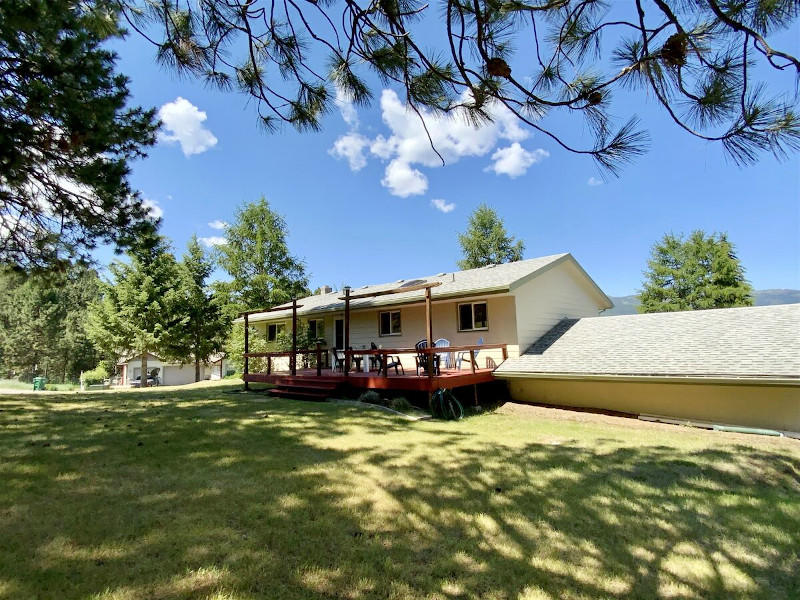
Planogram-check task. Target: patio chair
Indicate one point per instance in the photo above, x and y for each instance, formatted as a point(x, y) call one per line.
point(422, 358)
point(448, 357)
point(338, 359)
point(464, 356)
point(392, 361)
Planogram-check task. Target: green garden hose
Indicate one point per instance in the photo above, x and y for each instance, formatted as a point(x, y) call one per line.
point(445, 406)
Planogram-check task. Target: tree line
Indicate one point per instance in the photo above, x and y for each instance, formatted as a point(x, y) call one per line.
point(60, 323)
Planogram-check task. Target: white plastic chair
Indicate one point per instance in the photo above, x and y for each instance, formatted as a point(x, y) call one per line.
point(464, 356)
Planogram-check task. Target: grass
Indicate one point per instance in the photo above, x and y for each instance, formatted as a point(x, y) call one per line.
point(14, 384)
point(208, 493)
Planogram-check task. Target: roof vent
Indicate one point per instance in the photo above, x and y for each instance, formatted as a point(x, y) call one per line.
point(400, 280)
point(490, 266)
point(441, 274)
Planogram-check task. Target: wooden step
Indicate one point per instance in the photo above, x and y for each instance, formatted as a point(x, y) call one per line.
point(303, 390)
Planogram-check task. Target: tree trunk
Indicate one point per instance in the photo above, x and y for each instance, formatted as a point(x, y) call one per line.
point(196, 369)
point(144, 371)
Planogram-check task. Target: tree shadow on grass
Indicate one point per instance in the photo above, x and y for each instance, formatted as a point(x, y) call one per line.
point(210, 494)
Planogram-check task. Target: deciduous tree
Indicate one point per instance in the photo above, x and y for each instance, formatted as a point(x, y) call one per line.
point(256, 256)
point(486, 241)
point(698, 272)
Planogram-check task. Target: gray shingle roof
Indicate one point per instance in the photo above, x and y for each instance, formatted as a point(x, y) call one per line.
point(497, 278)
point(759, 341)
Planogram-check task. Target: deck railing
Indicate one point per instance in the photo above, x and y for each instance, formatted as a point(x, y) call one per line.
point(382, 353)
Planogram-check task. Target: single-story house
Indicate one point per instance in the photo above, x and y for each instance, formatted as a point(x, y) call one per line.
point(512, 303)
point(738, 366)
point(129, 369)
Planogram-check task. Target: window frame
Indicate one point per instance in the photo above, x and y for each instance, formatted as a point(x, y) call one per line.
point(380, 323)
point(278, 328)
point(472, 315)
point(316, 328)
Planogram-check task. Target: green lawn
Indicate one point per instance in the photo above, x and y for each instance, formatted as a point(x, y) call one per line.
point(13, 384)
point(208, 493)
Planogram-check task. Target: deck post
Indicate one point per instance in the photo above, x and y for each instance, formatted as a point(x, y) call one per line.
point(293, 360)
point(472, 360)
point(347, 358)
point(319, 358)
point(505, 352)
point(269, 365)
point(428, 321)
point(246, 350)
point(385, 362)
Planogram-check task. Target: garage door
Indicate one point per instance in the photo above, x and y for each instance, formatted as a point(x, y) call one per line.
point(179, 375)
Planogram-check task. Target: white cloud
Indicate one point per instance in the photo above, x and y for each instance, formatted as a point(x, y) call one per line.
point(408, 144)
point(217, 224)
point(593, 181)
point(441, 205)
point(347, 109)
point(184, 123)
point(214, 240)
point(403, 180)
point(514, 160)
point(351, 147)
point(154, 211)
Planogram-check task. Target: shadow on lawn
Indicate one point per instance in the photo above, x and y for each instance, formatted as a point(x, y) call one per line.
point(266, 500)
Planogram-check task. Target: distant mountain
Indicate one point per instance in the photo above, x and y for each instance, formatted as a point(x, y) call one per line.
point(626, 305)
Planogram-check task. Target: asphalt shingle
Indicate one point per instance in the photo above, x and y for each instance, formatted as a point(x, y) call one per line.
point(759, 341)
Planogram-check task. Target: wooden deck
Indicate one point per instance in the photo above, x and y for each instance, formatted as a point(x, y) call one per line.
point(447, 379)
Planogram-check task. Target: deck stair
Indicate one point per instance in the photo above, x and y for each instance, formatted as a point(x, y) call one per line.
point(304, 389)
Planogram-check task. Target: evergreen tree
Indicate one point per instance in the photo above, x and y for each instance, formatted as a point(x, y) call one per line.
point(486, 241)
point(704, 62)
point(66, 134)
point(140, 308)
point(256, 256)
point(699, 272)
point(42, 319)
point(206, 326)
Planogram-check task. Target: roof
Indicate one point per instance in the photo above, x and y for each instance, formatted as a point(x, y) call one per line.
point(750, 342)
point(490, 279)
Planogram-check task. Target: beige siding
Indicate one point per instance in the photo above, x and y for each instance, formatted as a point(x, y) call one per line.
point(544, 301)
point(770, 406)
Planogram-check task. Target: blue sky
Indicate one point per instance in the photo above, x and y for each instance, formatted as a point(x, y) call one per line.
point(352, 219)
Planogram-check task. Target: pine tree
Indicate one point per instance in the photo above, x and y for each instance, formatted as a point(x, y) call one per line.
point(486, 241)
point(206, 326)
point(42, 319)
point(140, 309)
point(67, 134)
point(706, 63)
point(696, 273)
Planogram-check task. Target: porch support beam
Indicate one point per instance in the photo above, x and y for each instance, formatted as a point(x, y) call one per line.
point(246, 350)
point(293, 360)
point(346, 329)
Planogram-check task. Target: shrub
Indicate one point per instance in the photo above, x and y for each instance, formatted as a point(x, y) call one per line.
point(400, 404)
point(96, 375)
point(371, 397)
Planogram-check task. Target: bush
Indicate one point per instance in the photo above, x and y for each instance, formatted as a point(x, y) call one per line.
point(400, 404)
point(371, 397)
point(97, 375)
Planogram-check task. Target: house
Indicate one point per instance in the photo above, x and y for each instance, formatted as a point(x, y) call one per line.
point(508, 305)
point(170, 373)
point(738, 366)
point(513, 303)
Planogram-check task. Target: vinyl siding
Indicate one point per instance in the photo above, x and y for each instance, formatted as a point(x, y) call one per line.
point(550, 297)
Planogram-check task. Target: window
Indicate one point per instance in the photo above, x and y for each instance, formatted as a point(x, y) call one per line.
point(472, 316)
point(316, 328)
point(273, 329)
point(390, 323)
